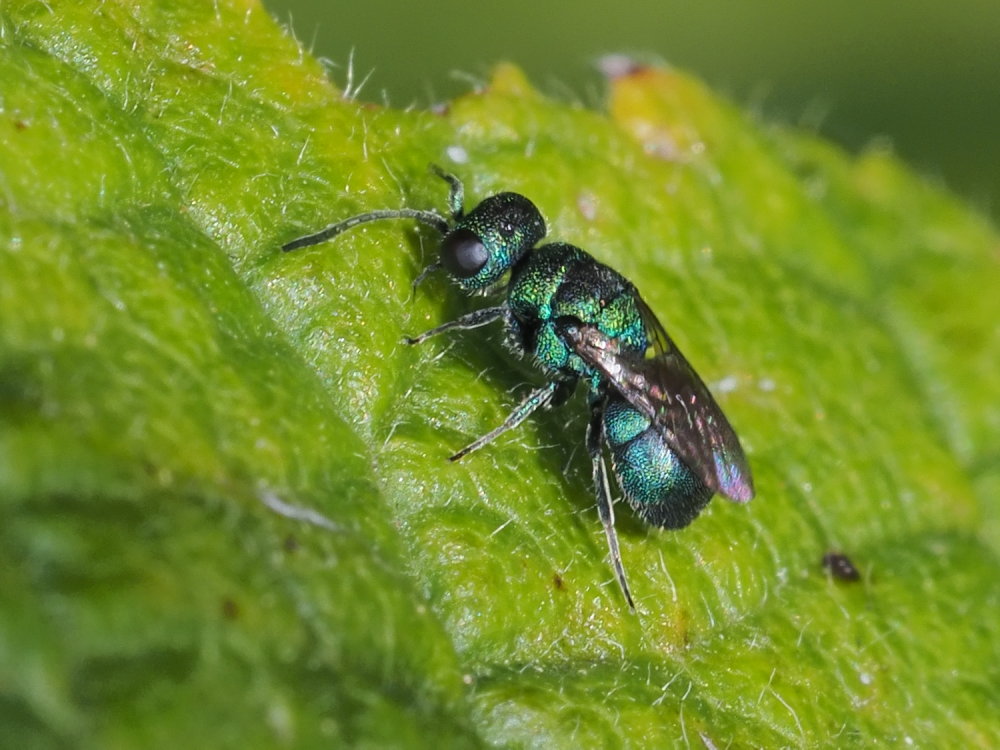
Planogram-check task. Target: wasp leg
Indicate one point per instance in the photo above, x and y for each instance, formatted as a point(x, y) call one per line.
point(595, 442)
point(533, 401)
point(473, 319)
point(435, 266)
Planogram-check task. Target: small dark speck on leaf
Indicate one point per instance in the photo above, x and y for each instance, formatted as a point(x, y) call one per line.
point(840, 566)
point(230, 610)
point(291, 544)
point(557, 581)
point(20, 125)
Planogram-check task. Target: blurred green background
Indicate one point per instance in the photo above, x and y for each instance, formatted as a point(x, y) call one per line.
point(922, 74)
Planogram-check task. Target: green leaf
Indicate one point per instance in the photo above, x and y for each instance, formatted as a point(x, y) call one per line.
point(227, 517)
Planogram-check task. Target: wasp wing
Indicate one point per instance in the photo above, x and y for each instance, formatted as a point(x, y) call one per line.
point(667, 390)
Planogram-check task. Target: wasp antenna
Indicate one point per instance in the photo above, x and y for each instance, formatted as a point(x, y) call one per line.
point(456, 195)
point(430, 218)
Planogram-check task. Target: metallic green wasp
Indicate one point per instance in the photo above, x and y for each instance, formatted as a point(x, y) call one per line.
point(671, 446)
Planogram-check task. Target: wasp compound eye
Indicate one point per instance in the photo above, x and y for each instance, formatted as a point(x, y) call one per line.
point(463, 254)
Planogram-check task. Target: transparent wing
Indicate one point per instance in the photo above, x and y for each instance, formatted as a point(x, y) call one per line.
point(669, 392)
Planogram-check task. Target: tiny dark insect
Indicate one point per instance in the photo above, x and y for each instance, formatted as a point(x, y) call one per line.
point(840, 566)
point(671, 446)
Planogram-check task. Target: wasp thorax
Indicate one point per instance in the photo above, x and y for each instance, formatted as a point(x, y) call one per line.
point(491, 238)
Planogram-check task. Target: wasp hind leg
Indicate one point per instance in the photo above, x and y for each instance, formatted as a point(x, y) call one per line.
point(595, 442)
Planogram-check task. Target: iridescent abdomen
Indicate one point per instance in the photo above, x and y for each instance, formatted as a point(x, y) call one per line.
point(661, 489)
